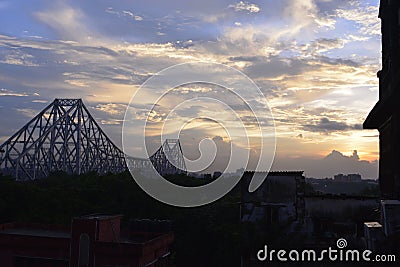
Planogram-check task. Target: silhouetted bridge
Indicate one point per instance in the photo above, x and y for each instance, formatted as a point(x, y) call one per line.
point(65, 137)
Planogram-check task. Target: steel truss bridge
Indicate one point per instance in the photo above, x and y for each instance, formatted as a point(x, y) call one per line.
point(65, 137)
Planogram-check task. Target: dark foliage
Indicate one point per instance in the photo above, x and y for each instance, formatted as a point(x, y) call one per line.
point(204, 236)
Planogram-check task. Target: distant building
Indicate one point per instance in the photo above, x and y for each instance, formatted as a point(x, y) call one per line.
point(279, 199)
point(347, 178)
point(93, 240)
point(331, 186)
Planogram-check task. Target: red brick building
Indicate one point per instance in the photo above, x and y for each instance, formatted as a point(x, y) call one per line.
point(93, 240)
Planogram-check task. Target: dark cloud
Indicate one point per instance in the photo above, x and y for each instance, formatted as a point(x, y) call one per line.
point(338, 61)
point(334, 163)
point(190, 141)
point(324, 125)
point(275, 66)
point(192, 111)
point(246, 58)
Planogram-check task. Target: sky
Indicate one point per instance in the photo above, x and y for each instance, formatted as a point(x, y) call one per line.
point(314, 60)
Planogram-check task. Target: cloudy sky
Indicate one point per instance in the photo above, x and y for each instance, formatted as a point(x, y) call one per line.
point(314, 60)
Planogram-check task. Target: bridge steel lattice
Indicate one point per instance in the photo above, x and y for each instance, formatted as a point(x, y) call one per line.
point(64, 137)
point(168, 159)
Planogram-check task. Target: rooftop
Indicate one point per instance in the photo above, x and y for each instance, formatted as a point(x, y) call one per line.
point(34, 229)
point(99, 217)
point(139, 231)
point(35, 232)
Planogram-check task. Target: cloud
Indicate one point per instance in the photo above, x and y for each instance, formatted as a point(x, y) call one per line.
point(291, 80)
point(300, 15)
point(6, 92)
point(324, 125)
point(333, 163)
point(314, 60)
point(365, 16)
point(190, 140)
point(112, 108)
point(321, 45)
point(67, 22)
point(196, 88)
point(110, 122)
point(246, 6)
point(19, 58)
point(124, 13)
point(108, 114)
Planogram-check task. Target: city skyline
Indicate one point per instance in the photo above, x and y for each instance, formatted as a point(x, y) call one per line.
point(315, 61)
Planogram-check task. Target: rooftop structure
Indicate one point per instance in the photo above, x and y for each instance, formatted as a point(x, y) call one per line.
point(385, 116)
point(93, 240)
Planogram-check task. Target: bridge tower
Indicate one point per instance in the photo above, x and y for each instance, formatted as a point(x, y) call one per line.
point(62, 137)
point(168, 159)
